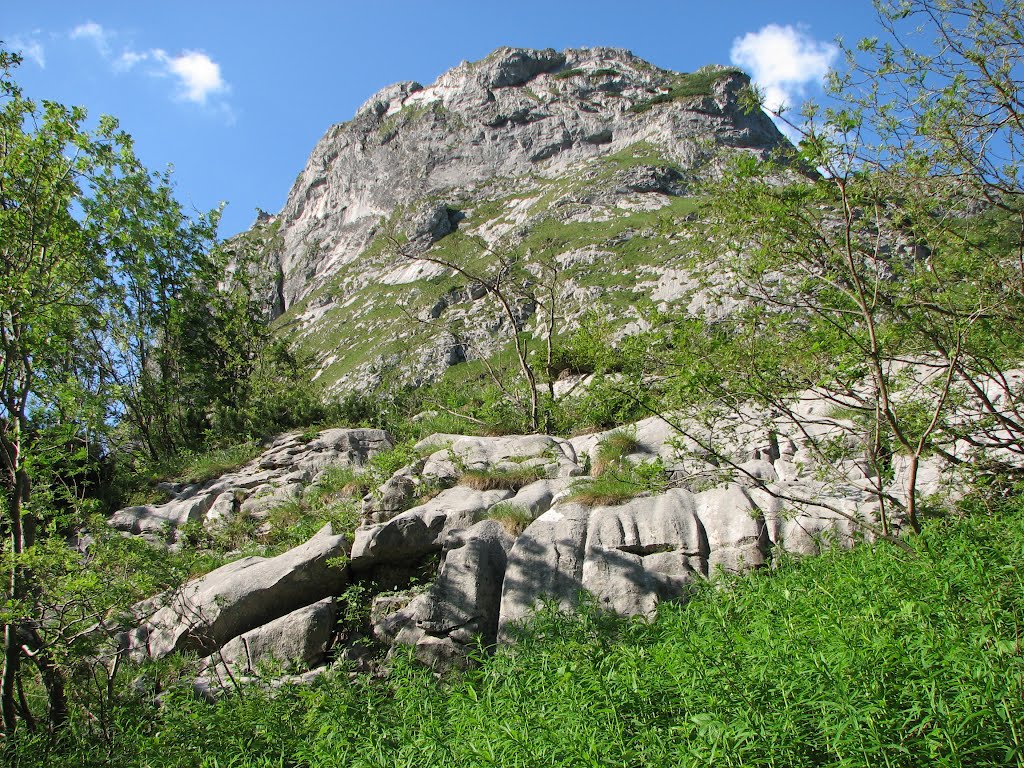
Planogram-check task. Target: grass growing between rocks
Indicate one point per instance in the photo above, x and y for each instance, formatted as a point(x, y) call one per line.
point(613, 449)
point(510, 479)
point(875, 657)
point(618, 482)
point(514, 518)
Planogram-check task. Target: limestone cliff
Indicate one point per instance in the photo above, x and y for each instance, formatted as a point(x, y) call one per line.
point(496, 155)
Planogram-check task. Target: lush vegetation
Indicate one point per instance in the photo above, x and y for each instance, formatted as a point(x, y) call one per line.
point(904, 256)
point(877, 656)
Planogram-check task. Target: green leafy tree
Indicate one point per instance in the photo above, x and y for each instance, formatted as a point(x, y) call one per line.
point(121, 327)
point(891, 282)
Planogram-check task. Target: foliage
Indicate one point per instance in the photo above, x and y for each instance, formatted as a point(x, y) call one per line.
point(123, 332)
point(881, 284)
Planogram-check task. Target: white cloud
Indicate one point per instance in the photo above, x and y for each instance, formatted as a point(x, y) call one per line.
point(128, 59)
point(783, 61)
point(30, 49)
point(198, 74)
point(94, 32)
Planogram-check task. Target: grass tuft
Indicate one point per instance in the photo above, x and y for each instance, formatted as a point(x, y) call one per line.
point(514, 518)
point(502, 479)
point(613, 449)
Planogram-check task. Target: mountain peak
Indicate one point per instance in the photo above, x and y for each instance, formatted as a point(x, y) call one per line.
point(516, 118)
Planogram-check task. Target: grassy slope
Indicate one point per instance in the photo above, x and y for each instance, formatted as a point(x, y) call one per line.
point(871, 657)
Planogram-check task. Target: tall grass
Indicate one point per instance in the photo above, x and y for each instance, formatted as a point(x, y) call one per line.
point(873, 657)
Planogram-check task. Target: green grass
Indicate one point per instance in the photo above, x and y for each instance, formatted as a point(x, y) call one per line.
point(613, 449)
point(514, 518)
point(871, 657)
point(619, 482)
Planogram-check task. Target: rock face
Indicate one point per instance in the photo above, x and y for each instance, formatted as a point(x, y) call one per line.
point(504, 531)
point(516, 112)
point(491, 150)
point(492, 554)
point(298, 639)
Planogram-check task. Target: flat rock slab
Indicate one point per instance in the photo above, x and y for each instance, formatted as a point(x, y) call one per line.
point(452, 453)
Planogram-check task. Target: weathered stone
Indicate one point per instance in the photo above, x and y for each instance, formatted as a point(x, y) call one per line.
point(546, 563)
point(737, 538)
point(643, 552)
point(514, 115)
point(207, 612)
point(461, 607)
point(298, 639)
point(419, 532)
point(162, 521)
point(275, 477)
point(556, 456)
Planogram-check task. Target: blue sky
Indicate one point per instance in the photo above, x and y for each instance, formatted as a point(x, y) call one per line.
point(234, 95)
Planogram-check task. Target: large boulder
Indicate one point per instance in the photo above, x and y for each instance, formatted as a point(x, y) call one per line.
point(207, 612)
point(461, 607)
point(643, 552)
point(546, 563)
point(419, 532)
point(299, 639)
point(632, 556)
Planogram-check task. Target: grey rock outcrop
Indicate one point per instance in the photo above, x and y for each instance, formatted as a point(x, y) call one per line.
point(415, 160)
point(461, 607)
point(298, 639)
point(204, 614)
point(411, 536)
point(287, 466)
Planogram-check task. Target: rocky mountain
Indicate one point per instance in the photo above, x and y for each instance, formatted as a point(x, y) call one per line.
point(568, 173)
point(580, 162)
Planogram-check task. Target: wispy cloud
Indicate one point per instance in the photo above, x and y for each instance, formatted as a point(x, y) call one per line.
point(197, 76)
point(783, 61)
point(30, 48)
point(95, 33)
